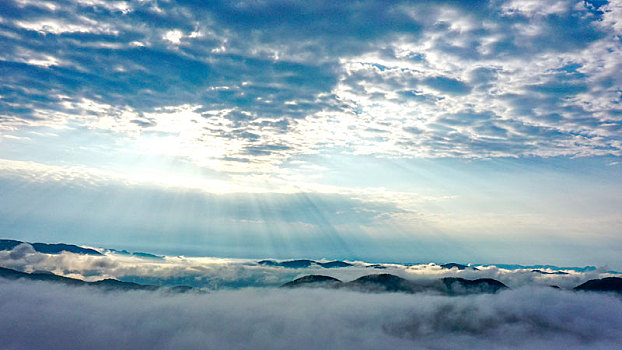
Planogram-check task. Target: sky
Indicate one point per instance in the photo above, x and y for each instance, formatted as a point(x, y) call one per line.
point(393, 131)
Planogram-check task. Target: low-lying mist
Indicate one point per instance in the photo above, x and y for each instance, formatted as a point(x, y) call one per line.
point(39, 315)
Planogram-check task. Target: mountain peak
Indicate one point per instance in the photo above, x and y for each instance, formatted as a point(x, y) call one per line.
point(313, 281)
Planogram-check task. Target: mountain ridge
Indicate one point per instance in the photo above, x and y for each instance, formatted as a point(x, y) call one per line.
point(48, 248)
point(107, 284)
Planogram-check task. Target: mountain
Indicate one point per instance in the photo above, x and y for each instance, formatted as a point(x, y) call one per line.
point(290, 264)
point(304, 263)
point(313, 281)
point(148, 255)
point(139, 254)
point(60, 247)
point(297, 264)
point(39, 276)
point(607, 284)
point(113, 284)
point(268, 263)
point(377, 266)
point(384, 282)
point(334, 264)
point(381, 283)
point(57, 248)
point(551, 267)
point(9, 244)
point(450, 266)
point(107, 284)
point(549, 273)
point(461, 286)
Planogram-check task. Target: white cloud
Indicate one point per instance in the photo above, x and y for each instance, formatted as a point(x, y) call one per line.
point(216, 273)
point(53, 26)
point(536, 8)
point(550, 87)
point(174, 36)
point(38, 315)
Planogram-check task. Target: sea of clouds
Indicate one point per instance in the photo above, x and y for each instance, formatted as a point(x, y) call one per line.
point(39, 315)
point(218, 273)
point(236, 306)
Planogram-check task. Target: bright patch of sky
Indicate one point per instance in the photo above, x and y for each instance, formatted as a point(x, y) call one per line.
point(396, 131)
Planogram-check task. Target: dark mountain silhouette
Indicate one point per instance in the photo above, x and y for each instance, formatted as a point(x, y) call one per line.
point(140, 254)
point(304, 263)
point(551, 267)
point(297, 264)
point(383, 283)
point(549, 273)
point(379, 283)
point(607, 284)
point(148, 255)
point(57, 248)
point(60, 247)
point(334, 264)
point(9, 244)
point(377, 266)
point(39, 276)
point(450, 266)
point(268, 263)
point(313, 281)
point(290, 264)
point(459, 286)
point(108, 284)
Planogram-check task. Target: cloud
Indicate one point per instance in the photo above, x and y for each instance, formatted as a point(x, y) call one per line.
point(311, 77)
point(219, 273)
point(38, 315)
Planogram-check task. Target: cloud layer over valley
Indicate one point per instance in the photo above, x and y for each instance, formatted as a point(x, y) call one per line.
point(218, 273)
point(42, 316)
point(237, 304)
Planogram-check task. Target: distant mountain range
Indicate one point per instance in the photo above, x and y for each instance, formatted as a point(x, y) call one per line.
point(57, 248)
point(9, 244)
point(549, 273)
point(461, 267)
point(375, 283)
point(378, 283)
point(304, 263)
point(107, 284)
point(139, 254)
point(369, 283)
point(540, 267)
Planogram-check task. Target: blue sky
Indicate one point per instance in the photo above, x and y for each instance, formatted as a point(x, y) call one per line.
point(408, 131)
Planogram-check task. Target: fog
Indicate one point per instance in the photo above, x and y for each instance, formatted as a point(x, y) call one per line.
point(38, 315)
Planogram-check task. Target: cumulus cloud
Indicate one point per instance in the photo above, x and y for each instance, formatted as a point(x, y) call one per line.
point(238, 96)
point(42, 316)
point(269, 81)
